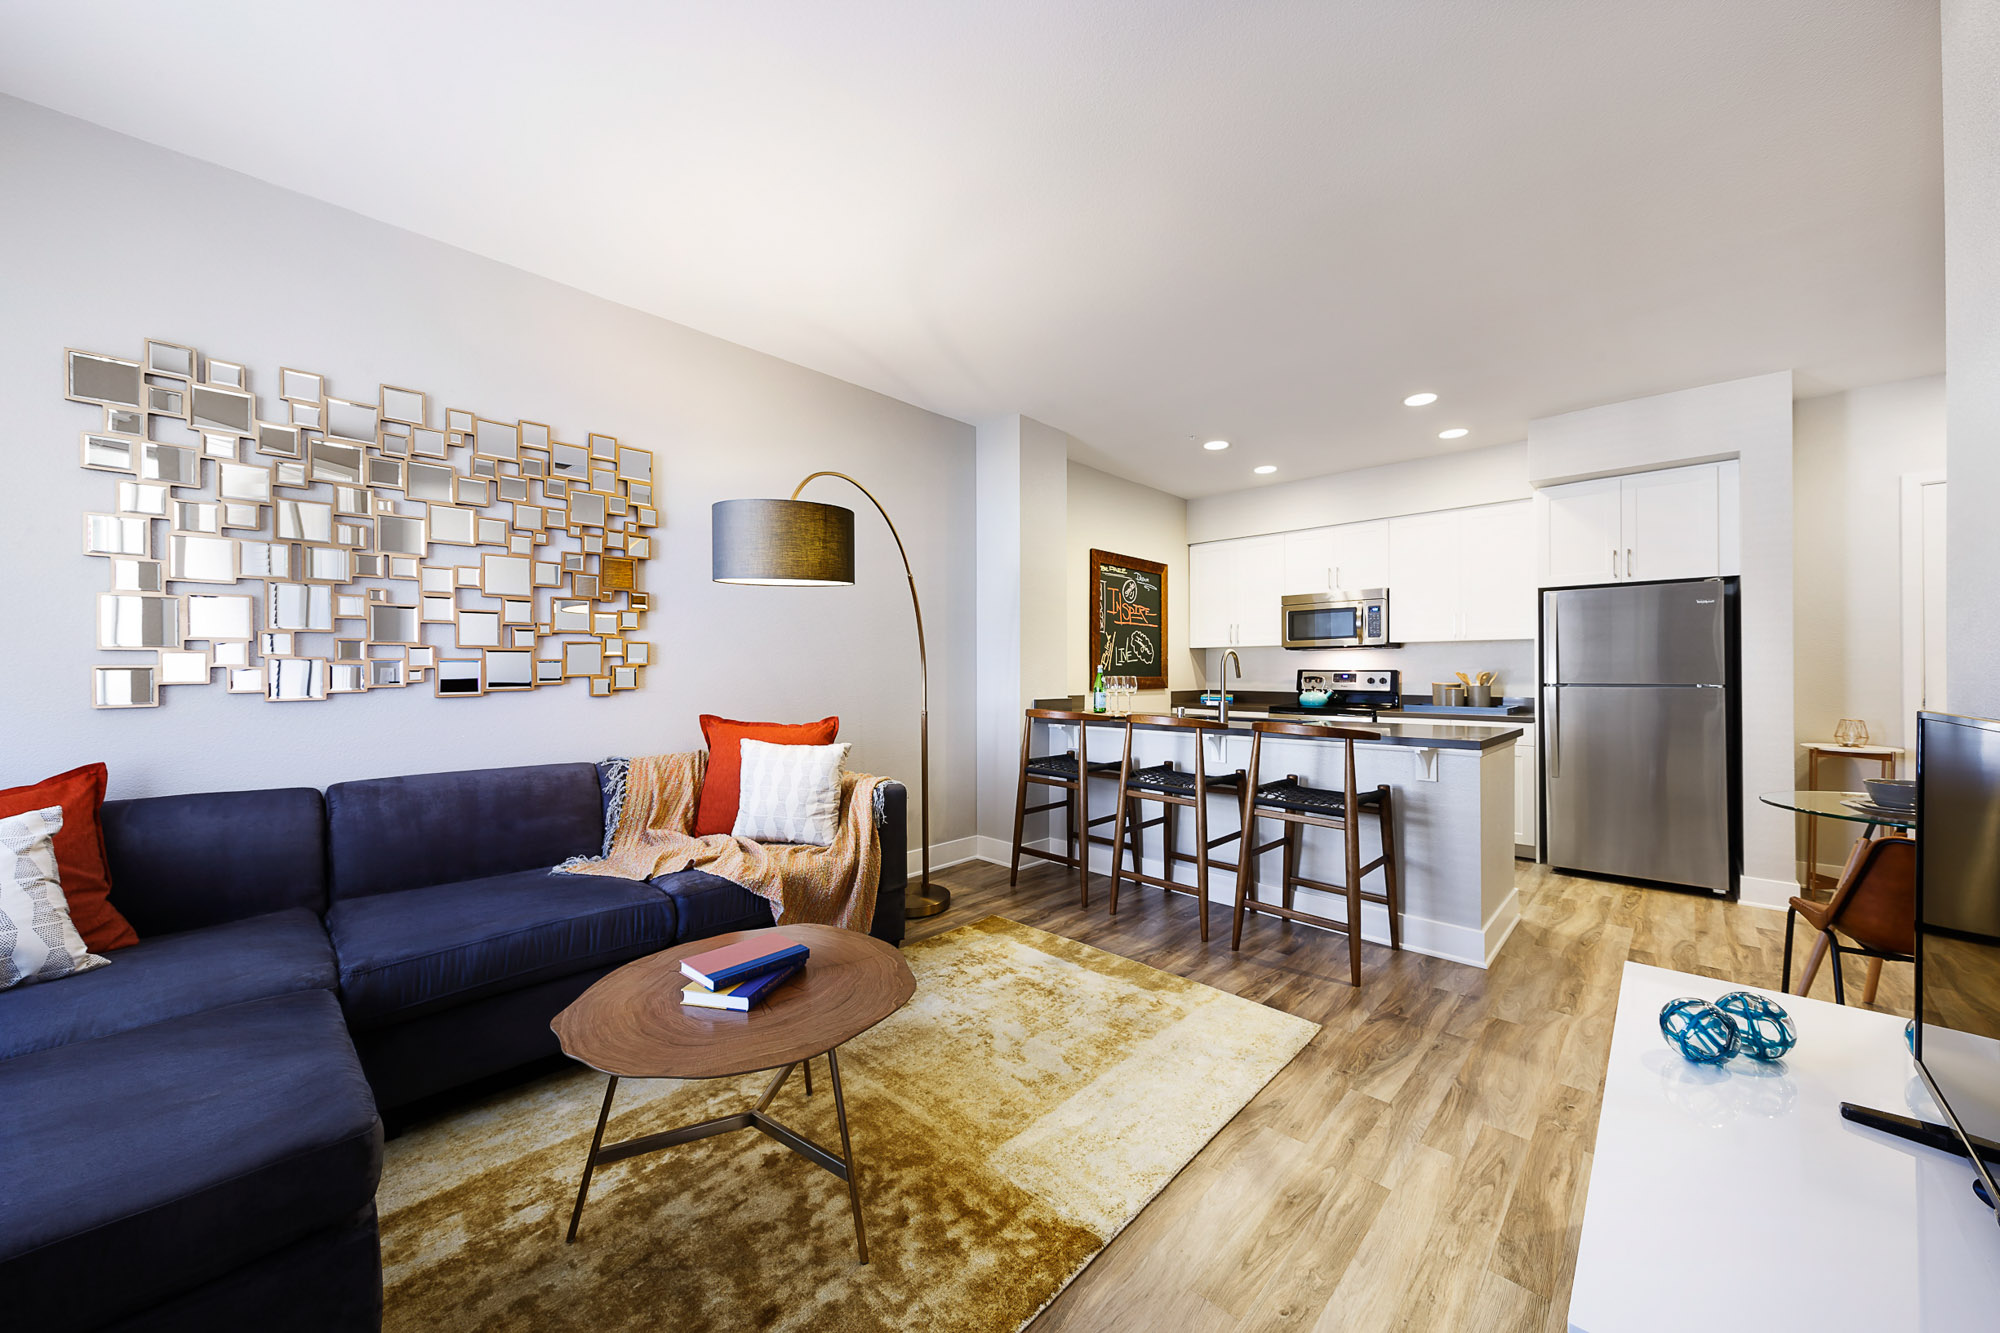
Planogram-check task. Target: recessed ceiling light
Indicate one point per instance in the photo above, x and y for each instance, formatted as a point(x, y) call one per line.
point(1216, 444)
point(1265, 470)
point(1455, 433)
point(1420, 400)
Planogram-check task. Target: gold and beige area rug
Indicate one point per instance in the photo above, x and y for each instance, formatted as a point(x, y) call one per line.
point(1009, 1121)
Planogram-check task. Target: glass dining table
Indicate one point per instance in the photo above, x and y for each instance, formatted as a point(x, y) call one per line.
point(1836, 805)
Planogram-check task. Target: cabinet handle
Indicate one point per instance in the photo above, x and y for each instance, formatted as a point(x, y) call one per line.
point(1628, 562)
point(1614, 562)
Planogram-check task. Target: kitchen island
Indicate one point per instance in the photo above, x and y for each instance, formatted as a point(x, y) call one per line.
point(1454, 803)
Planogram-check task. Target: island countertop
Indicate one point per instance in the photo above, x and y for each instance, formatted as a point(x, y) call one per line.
point(1439, 735)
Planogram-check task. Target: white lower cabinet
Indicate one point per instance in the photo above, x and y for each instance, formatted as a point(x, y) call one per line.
point(1527, 794)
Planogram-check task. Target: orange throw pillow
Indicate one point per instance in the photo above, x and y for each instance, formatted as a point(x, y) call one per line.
point(80, 859)
point(716, 811)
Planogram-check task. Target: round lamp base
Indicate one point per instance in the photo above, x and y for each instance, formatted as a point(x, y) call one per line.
point(920, 901)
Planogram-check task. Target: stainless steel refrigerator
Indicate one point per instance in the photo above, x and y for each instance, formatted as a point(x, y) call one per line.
point(1640, 734)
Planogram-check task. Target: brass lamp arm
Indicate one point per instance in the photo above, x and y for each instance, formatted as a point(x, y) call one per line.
point(923, 684)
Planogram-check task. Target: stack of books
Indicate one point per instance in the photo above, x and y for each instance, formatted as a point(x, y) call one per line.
point(737, 976)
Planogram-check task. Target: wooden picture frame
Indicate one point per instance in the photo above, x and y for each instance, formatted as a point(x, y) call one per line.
point(1132, 592)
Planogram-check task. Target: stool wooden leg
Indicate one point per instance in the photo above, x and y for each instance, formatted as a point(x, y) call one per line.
point(1082, 825)
point(1291, 876)
point(1201, 844)
point(1813, 960)
point(1119, 828)
point(1391, 882)
point(1246, 877)
point(1170, 833)
point(1020, 805)
point(1352, 842)
point(1874, 977)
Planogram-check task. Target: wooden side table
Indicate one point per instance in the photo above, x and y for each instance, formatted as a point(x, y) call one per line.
point(1885, 755)
point(632, 1024)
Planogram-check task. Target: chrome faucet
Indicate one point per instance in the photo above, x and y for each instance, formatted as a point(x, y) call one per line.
point(1228, 656)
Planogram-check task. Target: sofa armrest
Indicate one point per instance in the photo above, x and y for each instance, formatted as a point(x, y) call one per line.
point(892, 822)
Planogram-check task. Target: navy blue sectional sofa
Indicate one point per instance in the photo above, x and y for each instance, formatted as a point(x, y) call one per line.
point(191, 1137)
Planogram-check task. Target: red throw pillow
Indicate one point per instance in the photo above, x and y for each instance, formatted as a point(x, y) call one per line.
point(79, 845)
point(716, 811)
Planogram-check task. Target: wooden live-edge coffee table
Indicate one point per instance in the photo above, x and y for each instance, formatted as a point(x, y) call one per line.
point(632, 1024)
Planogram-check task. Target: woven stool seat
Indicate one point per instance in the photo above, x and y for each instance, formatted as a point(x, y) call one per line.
point(1173, 780)
point(1064, 766)
point(1312, 800)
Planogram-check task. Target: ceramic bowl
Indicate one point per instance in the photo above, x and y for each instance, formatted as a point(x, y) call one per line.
point(1893, 793)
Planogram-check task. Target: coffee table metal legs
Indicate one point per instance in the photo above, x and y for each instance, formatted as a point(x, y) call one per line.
point(851, 1175)
point(843, 1166)
point(590, 1162)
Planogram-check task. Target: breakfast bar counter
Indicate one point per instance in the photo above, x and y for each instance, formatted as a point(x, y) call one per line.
point(1454, 804)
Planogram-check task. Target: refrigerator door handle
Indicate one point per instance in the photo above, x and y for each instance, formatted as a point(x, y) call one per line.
point(1555, 731)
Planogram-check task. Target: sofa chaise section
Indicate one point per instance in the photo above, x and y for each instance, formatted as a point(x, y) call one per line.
point(154, 1164)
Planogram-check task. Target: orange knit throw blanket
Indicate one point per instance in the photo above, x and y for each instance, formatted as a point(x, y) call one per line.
point(811, 885)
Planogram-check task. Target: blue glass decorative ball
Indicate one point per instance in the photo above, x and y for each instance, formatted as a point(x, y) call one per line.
point(1764, 1030)
point(1698, 1030)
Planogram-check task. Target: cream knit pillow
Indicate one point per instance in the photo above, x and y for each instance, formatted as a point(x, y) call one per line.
point(790, 793)
point(37, 940)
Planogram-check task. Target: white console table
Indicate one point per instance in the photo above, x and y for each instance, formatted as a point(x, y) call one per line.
point(1736, 1197)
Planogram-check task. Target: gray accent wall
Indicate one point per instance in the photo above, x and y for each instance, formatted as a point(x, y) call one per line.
point(108, 241)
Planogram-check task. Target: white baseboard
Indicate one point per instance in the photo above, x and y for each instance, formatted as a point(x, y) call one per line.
point(953, 853)
point(1754, 891)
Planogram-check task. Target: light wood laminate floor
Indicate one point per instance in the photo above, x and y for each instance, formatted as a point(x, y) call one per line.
point(1422, 1163)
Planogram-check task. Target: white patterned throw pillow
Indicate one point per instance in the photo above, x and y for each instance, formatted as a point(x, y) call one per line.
point(790, 793)
point(37, 940)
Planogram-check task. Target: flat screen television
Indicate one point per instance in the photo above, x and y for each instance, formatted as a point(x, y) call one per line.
point(1956, 1034)
point(1957, 1037)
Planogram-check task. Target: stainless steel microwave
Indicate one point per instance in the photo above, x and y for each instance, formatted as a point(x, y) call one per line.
point(1337, 619)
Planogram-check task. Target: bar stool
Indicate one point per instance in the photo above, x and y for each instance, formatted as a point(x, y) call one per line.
point(1174, 790)
point(1060, 771)
point(1299, 807)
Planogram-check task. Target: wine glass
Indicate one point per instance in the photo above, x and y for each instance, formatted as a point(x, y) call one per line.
point(1851, 731)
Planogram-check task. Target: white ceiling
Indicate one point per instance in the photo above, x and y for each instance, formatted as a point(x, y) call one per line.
point(1146, 224)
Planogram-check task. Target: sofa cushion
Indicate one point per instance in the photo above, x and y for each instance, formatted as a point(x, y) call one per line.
point(390, 834)
point(142, 1165)
point(86, 881)
point(179, 862)
point(168, 976)
point(706, 904)
point(421, 950)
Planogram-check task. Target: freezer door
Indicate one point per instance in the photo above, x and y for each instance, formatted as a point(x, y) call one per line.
point(1635, 634)
point(1637, 780)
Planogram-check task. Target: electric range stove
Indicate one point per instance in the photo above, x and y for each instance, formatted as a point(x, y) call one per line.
point(1356, 695)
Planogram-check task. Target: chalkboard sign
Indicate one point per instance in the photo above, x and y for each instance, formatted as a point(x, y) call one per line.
point(1128, 599)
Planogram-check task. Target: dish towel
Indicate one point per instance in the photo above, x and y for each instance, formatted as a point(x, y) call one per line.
point(823, 886)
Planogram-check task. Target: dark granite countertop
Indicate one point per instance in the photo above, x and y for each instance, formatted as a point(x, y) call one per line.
point(1426, 731)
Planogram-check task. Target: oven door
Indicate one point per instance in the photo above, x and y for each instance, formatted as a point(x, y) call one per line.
point(1317, 623)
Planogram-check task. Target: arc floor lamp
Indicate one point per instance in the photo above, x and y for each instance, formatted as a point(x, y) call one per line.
point(799, 543)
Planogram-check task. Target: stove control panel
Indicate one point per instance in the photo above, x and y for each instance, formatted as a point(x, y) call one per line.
point(1383, 682)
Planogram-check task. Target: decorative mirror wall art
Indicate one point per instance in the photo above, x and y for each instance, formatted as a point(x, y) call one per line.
point(313, 545)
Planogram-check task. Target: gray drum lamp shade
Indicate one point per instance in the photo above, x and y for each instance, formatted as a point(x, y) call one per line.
point(794, 542)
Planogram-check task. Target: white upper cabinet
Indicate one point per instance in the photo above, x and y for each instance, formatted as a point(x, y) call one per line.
point(1233, 592)
point(1581, 528)
point(1674, 523)
point(1423, 577)
point(1496, 563)
point(1463, 574)
point(1347, 557)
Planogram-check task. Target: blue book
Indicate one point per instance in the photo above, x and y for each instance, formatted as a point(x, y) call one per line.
point(743, 995)
point(740, 961)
